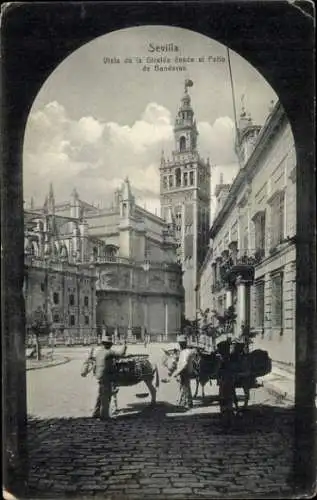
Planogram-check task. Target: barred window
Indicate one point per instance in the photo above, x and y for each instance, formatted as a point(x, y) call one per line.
point(259, 304)
point(277, 220)
point(191, 178)
point(277, 300)
point(178, 177)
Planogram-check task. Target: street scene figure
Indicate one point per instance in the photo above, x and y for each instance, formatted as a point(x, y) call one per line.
point(183, 373)
point(103, 372)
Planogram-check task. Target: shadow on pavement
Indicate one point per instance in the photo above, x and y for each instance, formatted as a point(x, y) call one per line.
point(85, 456)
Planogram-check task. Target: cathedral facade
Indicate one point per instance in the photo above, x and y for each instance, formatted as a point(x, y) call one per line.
point(185, 199)
point(115, 268)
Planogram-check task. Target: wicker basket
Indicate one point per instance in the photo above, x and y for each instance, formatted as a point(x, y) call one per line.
point(131, 369)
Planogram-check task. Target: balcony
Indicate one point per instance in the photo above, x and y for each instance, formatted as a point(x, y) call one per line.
point(241, 264)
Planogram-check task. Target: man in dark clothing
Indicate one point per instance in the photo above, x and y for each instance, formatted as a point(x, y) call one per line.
point(103, 371)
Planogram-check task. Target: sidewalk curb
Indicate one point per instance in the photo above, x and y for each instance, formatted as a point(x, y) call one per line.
point(48, 365)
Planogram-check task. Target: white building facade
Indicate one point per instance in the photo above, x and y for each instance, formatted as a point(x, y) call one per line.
point(255, 227)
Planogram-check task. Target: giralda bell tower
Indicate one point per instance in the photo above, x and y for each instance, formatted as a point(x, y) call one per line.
point(185, 193)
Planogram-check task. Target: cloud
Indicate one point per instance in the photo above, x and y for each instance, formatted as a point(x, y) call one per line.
point(95, 156)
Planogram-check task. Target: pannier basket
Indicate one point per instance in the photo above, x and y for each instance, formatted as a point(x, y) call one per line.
point(131, 369)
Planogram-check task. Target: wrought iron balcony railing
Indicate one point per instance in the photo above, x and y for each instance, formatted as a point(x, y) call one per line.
point(240, 263)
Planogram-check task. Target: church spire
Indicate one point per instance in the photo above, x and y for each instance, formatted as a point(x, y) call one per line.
point(51, 199)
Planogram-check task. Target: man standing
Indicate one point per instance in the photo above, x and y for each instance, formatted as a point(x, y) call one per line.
point(104, 374)
point(184, 371)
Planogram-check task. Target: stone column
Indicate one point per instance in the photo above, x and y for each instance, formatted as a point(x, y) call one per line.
point(228, 297)
point(243, 304)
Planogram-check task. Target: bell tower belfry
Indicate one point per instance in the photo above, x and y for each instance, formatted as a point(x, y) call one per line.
point(185, 190)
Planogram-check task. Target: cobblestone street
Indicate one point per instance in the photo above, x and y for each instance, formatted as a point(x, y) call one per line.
point(151, 452)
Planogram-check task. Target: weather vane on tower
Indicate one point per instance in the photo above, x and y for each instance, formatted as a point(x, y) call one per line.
point(188, 83)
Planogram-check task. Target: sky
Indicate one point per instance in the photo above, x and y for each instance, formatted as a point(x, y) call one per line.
point(93, 123)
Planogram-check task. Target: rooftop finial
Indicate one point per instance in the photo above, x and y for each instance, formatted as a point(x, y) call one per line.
point(51, 192)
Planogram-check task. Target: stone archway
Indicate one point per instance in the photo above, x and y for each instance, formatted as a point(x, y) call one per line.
point(262, 35)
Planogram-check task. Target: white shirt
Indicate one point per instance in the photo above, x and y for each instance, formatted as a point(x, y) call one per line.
point(185, 360)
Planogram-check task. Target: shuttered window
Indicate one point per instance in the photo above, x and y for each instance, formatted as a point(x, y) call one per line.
point(259, 304)
point(277, 220)
point(277, 300)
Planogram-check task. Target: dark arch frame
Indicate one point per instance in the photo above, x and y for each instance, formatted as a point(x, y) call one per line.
point(277, 39)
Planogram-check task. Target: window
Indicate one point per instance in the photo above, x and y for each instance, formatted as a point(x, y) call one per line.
point(86, 320)
point(185, 179)
point(245, 243)
point(259, 304)
point(191, 178)
point(42, 287)
point(277, 220)
point(56, 318)
point(72, 320)
point(277, 300)
point(165, 182)
point(182, 143)
point(71, 300)
point(56, 298)
point(170, 181)
point(226, 240)
point(234, 232)
point(259, 225)
point(86, 301)
point(178, 177)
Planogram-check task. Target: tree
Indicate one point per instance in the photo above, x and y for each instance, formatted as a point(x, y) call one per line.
point(37, 323)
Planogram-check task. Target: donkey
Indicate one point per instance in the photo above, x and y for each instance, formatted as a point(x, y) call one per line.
point(128, 371)
point(205, 366)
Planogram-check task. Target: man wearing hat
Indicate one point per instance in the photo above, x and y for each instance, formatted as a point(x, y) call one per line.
point(103, 371)
point(184, 371)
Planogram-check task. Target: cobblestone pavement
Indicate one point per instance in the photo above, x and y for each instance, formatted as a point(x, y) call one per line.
point(151, 452)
